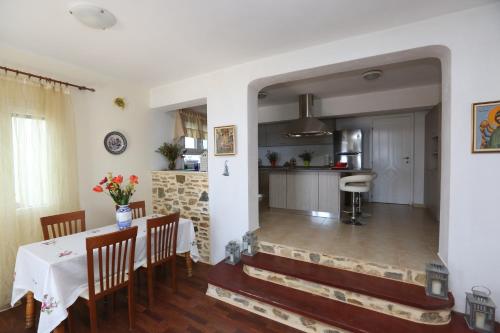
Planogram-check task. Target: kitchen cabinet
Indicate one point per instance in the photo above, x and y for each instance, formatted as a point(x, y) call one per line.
point(264, 188)
point(306, 190)
point(277, 189)
point(302, 190)
point(328, 192)
point(262, 135)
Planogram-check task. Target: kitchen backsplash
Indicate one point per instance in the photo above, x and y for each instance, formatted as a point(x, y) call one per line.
point(322, 154)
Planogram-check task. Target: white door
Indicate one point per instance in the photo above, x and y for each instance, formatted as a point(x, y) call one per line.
point(393, 159)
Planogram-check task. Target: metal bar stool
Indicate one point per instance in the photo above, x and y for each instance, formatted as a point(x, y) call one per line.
point(356, 185)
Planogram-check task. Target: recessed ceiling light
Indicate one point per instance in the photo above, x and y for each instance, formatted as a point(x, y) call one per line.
point(93, 16)
point(372, 74)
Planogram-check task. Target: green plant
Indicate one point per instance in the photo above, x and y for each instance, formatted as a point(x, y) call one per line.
point(171, 151)
point(272, 156)
point(306, 156)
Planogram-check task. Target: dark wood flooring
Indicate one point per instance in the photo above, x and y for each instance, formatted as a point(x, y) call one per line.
point(189, 310)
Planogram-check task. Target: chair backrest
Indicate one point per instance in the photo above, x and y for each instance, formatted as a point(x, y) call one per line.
point(118, 249)
point(138, 209)
point(63, 224)
point(162, 238)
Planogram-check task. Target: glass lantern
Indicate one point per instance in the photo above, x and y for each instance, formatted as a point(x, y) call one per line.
point(480, 310)
point(232, 253)
point(436, 280)
point(249, 244)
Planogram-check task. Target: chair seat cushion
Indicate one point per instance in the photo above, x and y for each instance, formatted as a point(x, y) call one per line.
point(355, 187)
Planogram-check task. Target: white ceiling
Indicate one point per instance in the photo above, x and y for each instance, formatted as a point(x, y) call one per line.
point(394, 76)
point(160, 41)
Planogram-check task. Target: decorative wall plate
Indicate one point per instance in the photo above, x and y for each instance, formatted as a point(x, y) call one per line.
point(115, 143)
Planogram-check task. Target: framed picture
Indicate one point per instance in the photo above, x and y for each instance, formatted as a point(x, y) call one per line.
point(486, 127)
point(225, 140)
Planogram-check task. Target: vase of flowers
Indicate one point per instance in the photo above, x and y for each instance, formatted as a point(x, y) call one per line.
point(306, 156)
point(171, 151)
point(272, 157)
point(121, 194)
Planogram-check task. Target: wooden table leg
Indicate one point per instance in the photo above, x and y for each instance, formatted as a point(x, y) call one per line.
point(30, 310)
point(189, 263)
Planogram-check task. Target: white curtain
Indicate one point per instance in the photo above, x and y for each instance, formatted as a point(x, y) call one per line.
point(38, 172)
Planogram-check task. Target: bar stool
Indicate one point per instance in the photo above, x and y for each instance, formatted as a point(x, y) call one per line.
point(356, 185)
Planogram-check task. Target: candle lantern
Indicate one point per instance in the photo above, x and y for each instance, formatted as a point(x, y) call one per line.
point(480, 310)
point(249, 244)
point(436, 280)
point(232, 253)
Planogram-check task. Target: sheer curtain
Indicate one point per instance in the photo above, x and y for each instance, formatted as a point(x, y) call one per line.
point(38, 170)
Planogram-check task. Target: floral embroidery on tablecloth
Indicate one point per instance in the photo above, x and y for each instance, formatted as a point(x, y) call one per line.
point(64, 253)
point(48, 304)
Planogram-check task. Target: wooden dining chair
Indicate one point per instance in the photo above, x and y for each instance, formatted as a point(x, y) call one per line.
point(113, 256)
point(63, 224)
point(138, 209)
point(161, 242)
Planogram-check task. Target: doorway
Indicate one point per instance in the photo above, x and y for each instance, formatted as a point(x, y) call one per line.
point(393, 159)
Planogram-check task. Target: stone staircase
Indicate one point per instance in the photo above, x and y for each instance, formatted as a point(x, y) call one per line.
point(322, 293)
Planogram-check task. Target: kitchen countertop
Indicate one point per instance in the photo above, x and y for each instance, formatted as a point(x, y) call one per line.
point(313, 168)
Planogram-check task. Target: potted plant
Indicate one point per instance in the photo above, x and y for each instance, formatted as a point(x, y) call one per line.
point(272, 157)
point(121, 196)
point(171, 151)
point(306, 156)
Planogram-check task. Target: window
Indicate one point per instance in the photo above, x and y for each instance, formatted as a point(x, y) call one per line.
point(195, 146)
point(29, 149)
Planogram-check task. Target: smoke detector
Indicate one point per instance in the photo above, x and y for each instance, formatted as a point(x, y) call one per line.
point(372, 74)
point(93, 16)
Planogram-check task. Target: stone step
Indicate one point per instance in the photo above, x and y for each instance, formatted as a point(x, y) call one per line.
point(395, 298)
point(311, 313)
point(407, 275)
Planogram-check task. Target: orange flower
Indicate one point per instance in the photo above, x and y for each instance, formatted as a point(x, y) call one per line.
point(97, 188)
point(134, 179)
point(118, 179)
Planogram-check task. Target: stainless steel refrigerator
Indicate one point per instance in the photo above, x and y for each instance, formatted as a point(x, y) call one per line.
point(348, 148)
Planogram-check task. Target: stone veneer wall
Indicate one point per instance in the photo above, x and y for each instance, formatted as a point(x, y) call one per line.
point(187, 192)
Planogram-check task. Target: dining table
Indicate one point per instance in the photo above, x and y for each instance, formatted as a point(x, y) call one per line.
point(54, 272)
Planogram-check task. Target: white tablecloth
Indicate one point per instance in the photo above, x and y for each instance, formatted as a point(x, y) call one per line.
point(56, 270)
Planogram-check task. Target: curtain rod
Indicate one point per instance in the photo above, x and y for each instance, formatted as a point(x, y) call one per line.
point(48, 79)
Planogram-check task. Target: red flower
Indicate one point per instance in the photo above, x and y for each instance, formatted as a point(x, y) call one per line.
point(118, 179)
point(109, 186)
point(105, 179)
point(134, 179)
point(97, 188)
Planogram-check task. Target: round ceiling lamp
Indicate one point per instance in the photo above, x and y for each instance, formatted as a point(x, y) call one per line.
point(93, 16)
point(372, 74)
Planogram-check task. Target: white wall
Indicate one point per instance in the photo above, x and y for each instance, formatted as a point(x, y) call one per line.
point(468, 45)
point(394, 99)
point(96, 115)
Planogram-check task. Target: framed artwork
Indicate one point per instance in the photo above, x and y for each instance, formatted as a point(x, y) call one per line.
point(225, 140)
point(486, 127)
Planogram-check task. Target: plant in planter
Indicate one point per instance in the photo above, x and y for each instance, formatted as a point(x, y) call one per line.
point(272, 157)
point(171, 151)
point(121, 196)
point(306, 156)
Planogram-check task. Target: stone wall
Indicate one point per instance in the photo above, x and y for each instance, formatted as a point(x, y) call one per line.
point(187, 192)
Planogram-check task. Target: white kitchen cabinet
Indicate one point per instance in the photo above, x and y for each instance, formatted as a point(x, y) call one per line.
point(328, 192)
point(277, 189)
point(302, 190)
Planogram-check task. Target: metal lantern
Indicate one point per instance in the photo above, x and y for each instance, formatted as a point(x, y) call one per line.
point(249, 244)
point(232, 253)
point(480, 310)
point(436, 280)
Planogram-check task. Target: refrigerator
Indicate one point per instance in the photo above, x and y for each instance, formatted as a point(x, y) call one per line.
point(348, 148)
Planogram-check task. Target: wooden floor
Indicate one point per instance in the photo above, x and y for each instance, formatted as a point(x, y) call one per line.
point(190, 310)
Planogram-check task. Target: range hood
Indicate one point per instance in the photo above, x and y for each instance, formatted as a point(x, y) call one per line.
point(307, 125)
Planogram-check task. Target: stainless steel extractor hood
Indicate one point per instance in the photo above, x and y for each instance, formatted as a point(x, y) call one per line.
point(307, 125)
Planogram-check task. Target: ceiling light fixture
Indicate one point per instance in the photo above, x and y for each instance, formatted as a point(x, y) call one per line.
point(262, 94)
point(93, 16)
point(372, 74)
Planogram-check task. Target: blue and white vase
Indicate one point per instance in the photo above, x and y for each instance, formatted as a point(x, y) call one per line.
point(123, 217)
